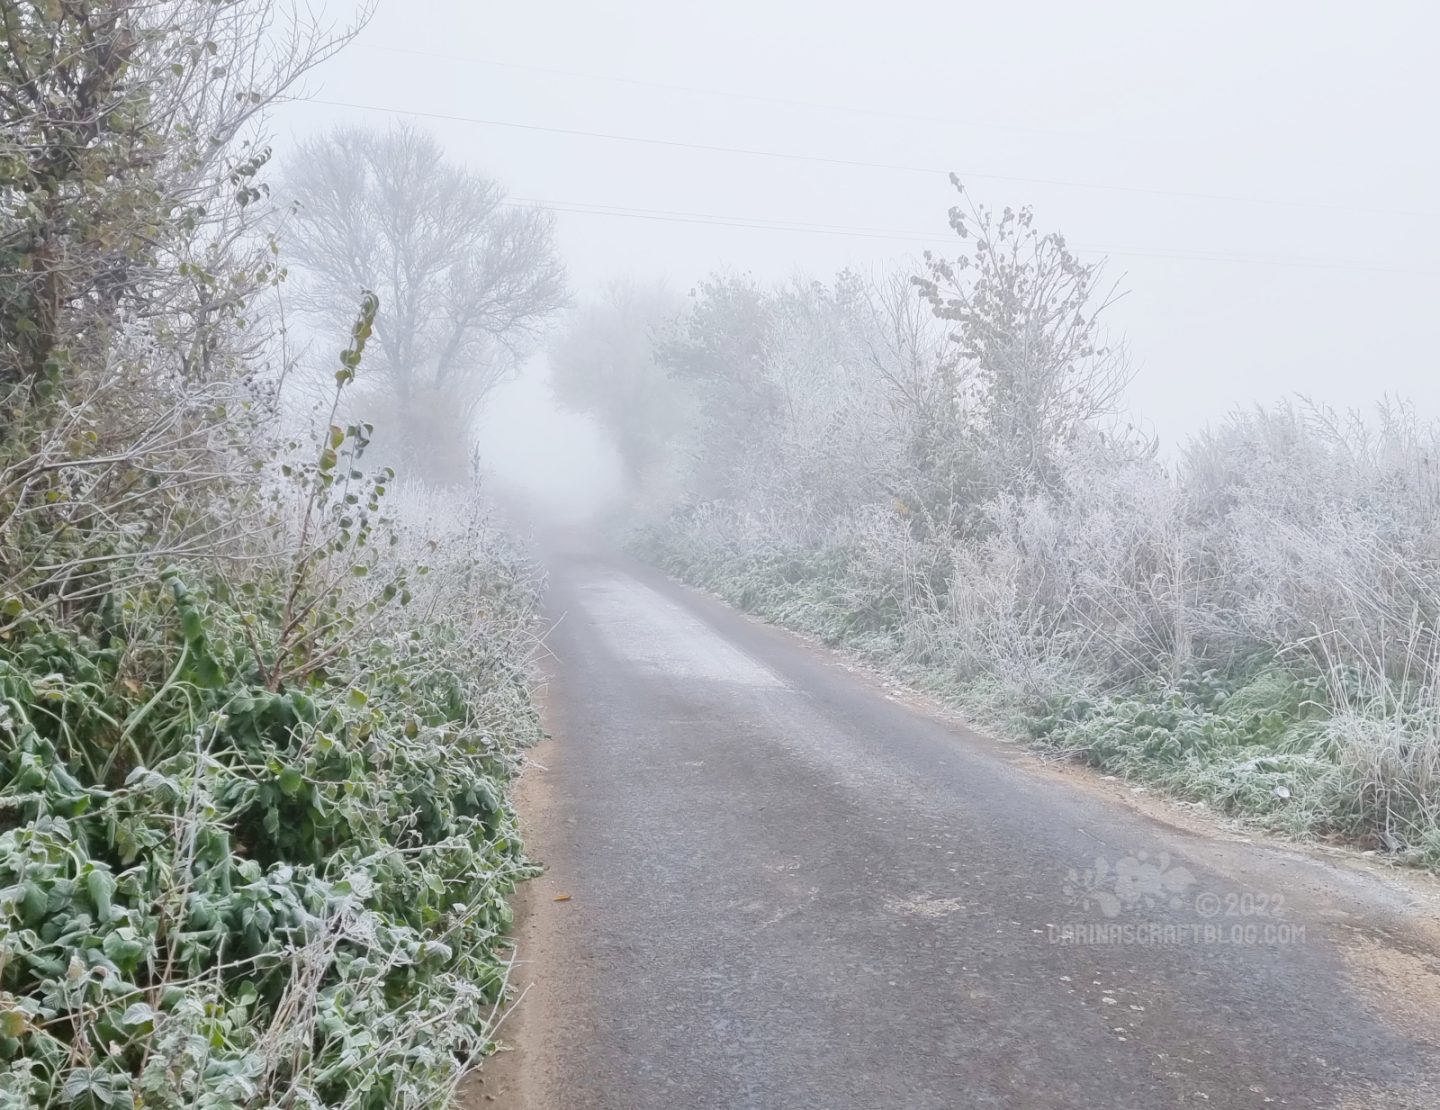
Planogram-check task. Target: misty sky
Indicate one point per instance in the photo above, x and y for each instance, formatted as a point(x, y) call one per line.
point(1324, 282)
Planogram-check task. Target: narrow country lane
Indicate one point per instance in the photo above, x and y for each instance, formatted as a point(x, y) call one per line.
point(788, 888)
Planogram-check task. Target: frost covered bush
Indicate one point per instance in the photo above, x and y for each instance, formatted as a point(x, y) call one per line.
point(258, 897)
point(254, 843)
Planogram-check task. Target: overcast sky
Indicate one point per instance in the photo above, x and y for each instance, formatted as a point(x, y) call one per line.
point(1265, 176)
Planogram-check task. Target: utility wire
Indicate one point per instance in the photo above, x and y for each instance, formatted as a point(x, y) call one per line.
point(855, 163)
point(705, 219)
point(762, 223)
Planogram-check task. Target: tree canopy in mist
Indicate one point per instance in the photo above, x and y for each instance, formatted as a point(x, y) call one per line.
point(465, 280)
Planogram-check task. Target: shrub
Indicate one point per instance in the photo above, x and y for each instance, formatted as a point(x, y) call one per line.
point(255, 846)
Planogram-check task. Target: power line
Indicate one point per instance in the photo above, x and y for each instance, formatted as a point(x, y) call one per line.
point(757, 222)
point(705, 219)
point(854, 163)
point(724, 94)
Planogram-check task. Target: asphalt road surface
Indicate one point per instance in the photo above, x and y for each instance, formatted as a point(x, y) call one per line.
point(773, 882)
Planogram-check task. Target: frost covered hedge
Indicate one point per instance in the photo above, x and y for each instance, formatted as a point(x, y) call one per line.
point(1263, 640)
point(216, 894)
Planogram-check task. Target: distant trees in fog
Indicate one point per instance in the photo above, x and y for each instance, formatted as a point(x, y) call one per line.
point(604, 362)
point(944, 390)
point(466, 282)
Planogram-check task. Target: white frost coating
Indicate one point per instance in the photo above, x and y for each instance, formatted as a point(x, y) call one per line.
point(642, 626)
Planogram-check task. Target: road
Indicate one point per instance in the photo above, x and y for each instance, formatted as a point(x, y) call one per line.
point(773, 882)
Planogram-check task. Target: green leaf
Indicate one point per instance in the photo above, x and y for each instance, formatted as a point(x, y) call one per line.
point(207, 672)
point(123, 947)
point(137, 1014)
point(101, 887)
point(291, 781)
point(35, 900)
point(85, 1081)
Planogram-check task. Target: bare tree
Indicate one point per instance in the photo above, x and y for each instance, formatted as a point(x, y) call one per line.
point(465, 281)
point(1027, 321)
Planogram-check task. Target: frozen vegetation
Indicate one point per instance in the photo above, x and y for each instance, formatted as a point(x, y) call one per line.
point(259, 698)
